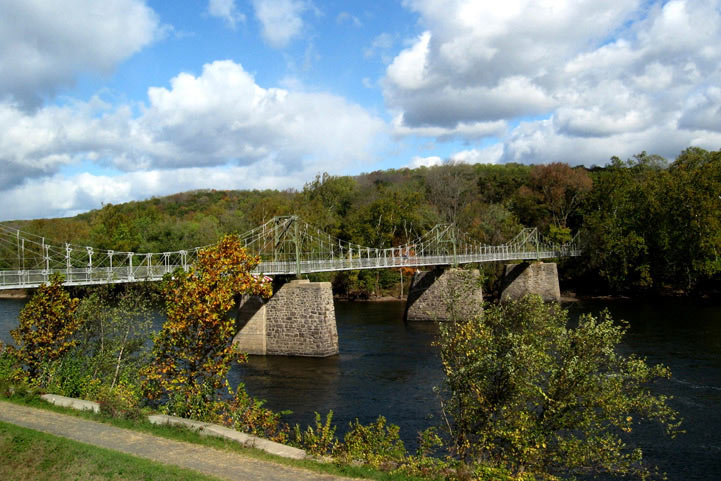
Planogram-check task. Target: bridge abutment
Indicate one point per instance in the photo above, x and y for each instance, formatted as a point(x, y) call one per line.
point(442, 294)
point(531, 278)
point(299, 320)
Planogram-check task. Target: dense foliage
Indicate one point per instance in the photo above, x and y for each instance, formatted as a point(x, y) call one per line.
point(46, 327)
point(528, 393)
point(649, 226)
point(193, 351)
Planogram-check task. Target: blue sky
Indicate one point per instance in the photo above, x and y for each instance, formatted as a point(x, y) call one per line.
point(106, 102)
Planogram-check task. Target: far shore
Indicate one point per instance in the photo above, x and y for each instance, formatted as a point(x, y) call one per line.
point(14, 294)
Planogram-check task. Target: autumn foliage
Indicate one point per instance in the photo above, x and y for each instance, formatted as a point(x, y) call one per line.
point(193, 352)
point(46, 326)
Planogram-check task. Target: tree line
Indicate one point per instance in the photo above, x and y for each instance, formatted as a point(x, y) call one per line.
point(648, 225)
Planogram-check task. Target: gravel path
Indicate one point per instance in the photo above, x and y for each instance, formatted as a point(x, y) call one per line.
point(207, 460)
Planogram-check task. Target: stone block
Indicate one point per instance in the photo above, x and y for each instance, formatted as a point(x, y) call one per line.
point(247, 440)
point(68, 402)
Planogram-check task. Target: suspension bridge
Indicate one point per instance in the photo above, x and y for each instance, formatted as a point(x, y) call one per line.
point(286, 246)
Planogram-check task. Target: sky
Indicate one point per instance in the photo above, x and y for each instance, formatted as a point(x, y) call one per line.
point(117, 100)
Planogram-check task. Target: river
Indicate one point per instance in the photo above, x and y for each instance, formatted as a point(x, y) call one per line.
point(388, 367)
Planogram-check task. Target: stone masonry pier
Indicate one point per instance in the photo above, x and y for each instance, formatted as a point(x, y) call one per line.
point(439, 294)
point(531, 278)
point(299, 320)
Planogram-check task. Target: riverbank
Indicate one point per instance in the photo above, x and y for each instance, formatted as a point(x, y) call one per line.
point(15, 294)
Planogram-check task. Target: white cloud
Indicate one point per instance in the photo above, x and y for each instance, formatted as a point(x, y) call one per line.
point(488, 155)
point(408, 70)
point(60, 196)
point(280, 20)
point(344, 17)
point(381, 43)
point(603, 78)
point(431, 161)
point(44, 45)
point(226, 10)
point(217, 129)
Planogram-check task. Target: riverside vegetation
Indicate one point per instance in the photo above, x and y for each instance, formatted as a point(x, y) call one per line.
point(526, 397)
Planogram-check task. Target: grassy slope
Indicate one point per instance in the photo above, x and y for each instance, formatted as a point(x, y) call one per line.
point(31, 455)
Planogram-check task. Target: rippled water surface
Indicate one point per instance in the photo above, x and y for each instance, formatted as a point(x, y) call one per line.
point(388, 367)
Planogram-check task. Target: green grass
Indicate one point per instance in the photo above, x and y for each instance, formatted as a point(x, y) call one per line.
point(187, 435)
point(31, 455)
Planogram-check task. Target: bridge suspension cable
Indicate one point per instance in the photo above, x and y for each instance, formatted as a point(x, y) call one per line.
point(286, 246)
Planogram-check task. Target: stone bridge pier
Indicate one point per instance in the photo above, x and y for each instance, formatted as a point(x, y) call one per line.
point(531, 278)
point(444, 293)
point(299, 320)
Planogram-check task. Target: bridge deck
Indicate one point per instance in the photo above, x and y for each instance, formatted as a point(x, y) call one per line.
point(18, 279)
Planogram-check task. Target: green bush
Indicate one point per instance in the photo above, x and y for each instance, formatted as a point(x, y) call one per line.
point(528, 394)
point(378, 444)
point(67, 376)
point(13, 379)
point(249, 415)
point(319, 441)
point(120, 401)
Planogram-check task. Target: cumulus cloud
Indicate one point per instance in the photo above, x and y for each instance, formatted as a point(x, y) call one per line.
point(226, 10)
point(280, 20)
point(62, 195)
point(487, 155)
point(601, 78)
point(44, 45)
point(214, 122)
point(418, 161)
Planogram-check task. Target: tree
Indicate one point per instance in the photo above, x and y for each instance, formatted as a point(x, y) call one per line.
point(47, 324)
point(193, 351)
point(527, 393)
point(325, 201)
point(561, 189)
point(116, 324)
point(691, 220)
point(448, 189)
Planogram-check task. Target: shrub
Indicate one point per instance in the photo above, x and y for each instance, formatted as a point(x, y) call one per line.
point(120, 401)
point(249, 415)
point(46, 326)
point(193, 352)
point(115, 331)
point(13, 380)
point(526, 393)
point(319, 441)
point(378, 443)
point(67, 377)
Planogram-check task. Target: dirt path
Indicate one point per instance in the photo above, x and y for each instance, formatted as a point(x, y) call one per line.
point(207, 460)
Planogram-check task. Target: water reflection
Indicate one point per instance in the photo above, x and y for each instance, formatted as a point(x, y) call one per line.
point(384, 367)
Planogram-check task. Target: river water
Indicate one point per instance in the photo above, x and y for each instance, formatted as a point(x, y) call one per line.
point(388, 367)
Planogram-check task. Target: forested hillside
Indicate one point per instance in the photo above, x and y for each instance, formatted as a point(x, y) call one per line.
point(648, 225)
